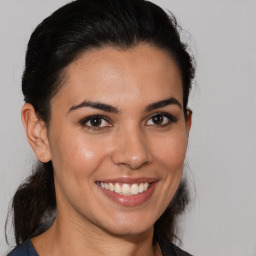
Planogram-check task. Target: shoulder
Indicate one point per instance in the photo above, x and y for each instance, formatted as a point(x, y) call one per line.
point(180, 252)
point(170, 249)
point(24, 249)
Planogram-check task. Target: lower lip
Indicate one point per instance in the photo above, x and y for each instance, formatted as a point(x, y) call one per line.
point(133, 200)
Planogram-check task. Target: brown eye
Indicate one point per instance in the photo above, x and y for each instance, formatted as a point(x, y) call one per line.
point(157, 119)
point(95, 122)
point(161, 119)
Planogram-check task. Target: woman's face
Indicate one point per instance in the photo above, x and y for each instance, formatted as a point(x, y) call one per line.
point(118, 138)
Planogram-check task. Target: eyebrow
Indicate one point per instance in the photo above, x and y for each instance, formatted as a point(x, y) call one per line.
point(96, 105)
point(109, 108)
point(163, 103)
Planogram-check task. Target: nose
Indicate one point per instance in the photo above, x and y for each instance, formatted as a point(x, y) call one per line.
point(131, 150)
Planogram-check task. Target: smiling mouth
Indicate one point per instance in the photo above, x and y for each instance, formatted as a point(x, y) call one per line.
point(125, 189)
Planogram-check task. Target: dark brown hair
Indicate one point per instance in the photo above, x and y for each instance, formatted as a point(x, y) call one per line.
point(74, 28)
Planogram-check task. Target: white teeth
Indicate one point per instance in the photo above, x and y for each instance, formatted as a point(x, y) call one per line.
point(145, 187)
point(141, 187)
point(126, 189)
point(134, 189)
point(111, 187)
point(118, 188)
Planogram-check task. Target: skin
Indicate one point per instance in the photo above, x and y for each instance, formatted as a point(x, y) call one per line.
point(126, 144)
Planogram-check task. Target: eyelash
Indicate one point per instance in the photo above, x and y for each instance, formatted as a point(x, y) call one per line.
point(94, 117)
point(170, 119)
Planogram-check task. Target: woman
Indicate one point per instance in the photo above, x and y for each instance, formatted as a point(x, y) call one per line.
point(106, 86)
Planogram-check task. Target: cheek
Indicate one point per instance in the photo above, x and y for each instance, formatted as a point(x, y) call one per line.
point(75, 163)
point(171, 152)
point(77, 157)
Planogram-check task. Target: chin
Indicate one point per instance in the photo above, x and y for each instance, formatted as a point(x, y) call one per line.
point(131, 226)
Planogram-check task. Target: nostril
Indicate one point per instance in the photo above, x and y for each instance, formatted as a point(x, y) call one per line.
point(133, 163)
point(131, 151)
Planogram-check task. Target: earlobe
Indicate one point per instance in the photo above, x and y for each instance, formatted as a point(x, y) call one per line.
point(188, 120)
point(36, 132)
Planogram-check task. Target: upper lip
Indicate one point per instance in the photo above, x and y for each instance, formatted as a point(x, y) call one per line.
point(128, 180)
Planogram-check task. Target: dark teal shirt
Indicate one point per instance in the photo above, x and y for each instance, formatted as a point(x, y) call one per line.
point(27, 249)
point(24, 249)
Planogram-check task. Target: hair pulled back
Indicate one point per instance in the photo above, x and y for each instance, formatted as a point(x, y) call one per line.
point(61, 38)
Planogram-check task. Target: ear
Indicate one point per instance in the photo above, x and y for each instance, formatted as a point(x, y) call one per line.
point(188, 120)
point(36, 132)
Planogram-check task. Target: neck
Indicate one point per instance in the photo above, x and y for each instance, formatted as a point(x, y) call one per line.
point(72, 238)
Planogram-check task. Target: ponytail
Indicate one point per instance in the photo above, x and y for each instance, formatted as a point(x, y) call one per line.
point(34, 203)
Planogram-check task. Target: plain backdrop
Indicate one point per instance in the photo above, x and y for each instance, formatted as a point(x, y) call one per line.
point(222, 148)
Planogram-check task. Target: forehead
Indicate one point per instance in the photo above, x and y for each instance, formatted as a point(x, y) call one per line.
point(113, 75)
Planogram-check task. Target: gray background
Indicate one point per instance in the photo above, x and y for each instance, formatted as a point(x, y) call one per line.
point(222, 149)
